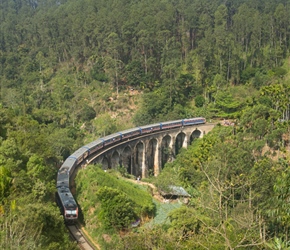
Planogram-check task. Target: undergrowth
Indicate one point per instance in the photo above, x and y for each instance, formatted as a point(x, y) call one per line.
point(93, 180)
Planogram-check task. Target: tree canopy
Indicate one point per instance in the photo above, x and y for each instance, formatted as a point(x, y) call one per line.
point(72, 71)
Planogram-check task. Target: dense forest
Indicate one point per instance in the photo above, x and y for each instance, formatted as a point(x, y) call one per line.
point(72, 71)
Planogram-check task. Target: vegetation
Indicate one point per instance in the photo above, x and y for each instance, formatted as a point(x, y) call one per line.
point(72, 71)
point(238, 187)
point(62, 60)
point(117, 203)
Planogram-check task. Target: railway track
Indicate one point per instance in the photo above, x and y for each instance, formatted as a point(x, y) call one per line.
point(78, 236)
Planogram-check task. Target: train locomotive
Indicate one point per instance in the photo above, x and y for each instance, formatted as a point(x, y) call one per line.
point(64, 197)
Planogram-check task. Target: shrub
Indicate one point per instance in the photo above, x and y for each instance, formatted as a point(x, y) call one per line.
point(117, 209)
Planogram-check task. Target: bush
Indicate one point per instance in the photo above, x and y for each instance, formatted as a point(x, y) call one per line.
point(117, 209)
point(94, 180)
point(87, 113)
point(199, 101)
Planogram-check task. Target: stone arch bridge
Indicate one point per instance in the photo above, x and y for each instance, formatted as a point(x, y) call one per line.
point(146, 155)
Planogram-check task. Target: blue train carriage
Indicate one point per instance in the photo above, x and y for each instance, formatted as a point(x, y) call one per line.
point(95, 145)
point(112, 139)
point(65, 172)
point(151, 128)
point(193, 121)
point(130, 133)
point(63, 177)
point(81, 154)
point(70, 164)
point(67, 204)
point(172, 124)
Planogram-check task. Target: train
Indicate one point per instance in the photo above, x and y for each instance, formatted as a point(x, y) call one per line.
point(64, 197)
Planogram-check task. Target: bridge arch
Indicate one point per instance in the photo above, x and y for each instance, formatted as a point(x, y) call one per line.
point(180, 142)
point(152, 156)
point(105, 163)
point(166, 150)
point(115, 159)
point(195, 134)
point(139, 169)
point(126, 159)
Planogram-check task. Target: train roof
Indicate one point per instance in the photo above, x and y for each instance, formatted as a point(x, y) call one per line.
point(94, 143)
point(63, 177)
point(67, 198)
point(170, 122)
point(108, 137)
point(69, 162)
point(195, 118)
point(64, 171)
point(130, 130)
point(151, 125)
point(79, 153)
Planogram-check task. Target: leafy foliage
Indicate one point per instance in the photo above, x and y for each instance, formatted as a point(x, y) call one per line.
point(26, 228)
point(117, 210)
point(181, 59)
point(140, 201)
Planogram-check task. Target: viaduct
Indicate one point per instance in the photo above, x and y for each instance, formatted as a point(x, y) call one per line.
point(146, 155)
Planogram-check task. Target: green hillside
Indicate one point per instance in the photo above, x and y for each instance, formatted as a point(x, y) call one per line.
point(109, 203)
point(73, 71)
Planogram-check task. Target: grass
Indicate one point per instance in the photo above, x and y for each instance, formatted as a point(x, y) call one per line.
point(162, 211)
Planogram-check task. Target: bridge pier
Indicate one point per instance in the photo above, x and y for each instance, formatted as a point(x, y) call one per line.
point(143, 166)
point(157, 162)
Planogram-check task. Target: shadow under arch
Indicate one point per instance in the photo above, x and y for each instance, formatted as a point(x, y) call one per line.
point(115, 160)
point(152, 157)
point(139, 152)
point(180, 142)
point(194, 135)
point(105, 163)
point(126, 159)
point(166, 150)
